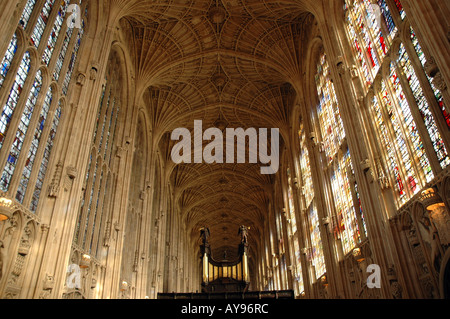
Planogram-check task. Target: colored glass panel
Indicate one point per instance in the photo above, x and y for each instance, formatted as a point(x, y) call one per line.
point(14, 96)
point(21, 132)
point(7, 59)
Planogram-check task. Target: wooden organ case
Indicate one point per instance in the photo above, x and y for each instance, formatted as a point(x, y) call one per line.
point(225, 276)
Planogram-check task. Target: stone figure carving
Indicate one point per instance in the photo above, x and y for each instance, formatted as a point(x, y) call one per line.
point(243, 231)
point(204, 233)
point(434, 241)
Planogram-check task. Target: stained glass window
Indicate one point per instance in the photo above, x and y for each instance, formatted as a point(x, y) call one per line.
point(399, 6)
point(388, 146)
point(422, 103)
point(26, 13)
point(34, 147)
point(364, 25)
point(437, 92)
point(333, 134)
point(41, 23)
point(328, 113)
point(411, 128)
point(348, 230)
point(73, 59)
point(29, 150)
point(307, 184)
point(292, 224)
point(97, 189)
point(62, 54)
point(7, 59)
point(291, 205)
point(46, 157)
point(386, 14)
point(317, 256)
point(24, 123)
point(14, 95)
point(410, 179)
point(54, 34)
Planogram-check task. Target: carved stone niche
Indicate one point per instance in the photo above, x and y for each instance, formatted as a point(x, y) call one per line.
point(54, 185)
point(81, 79)
point(431, 68)
point(395, 287)
point(365, 165)
point(439, 81)
point(71, 174)
point(354, 71)
point(49, 282)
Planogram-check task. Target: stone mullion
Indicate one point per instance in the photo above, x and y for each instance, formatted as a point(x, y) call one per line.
point(359, 221)
point(14, 67)
point(41, 150)
point(318, 162)
point(39, 5)
point(58, 44)
point(432, 40)
point(10, 12)
point(358, 150)
point(427, 90)
point(391, 133)
point(111, 138)
point(410, 147)
point(15, 179)
point(141, 283)
point(160, 243)
point(96, 210)
point(267, 244)
point(104, 108)
point(423, 132)
point(384, 177)
point(274, 246)
point(361, 41)
point(67, 58)
point(149, 222)
point(120, 202)
point(93, 172)
point(48, 28)
point(301, 218)
point(18, 112)
point(102, 214)
point(86, 223)
point(290, 251)
point(152, 242)
point(105, 137)
point(74, 165)
point(433, 36)
point(272, 230)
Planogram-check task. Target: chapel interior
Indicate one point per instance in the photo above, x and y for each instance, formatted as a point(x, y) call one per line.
point(94, 206)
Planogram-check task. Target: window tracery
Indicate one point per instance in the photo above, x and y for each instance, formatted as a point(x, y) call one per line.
point(94, 204)
point(338, 159)
point(27, 113)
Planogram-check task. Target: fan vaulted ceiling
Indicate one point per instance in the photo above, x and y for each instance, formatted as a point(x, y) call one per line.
point(205, 59)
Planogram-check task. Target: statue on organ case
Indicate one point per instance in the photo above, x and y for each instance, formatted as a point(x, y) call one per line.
point(243, 231)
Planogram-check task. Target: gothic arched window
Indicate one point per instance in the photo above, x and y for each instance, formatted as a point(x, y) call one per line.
point(7, 59)
point(307, 187)
point(405, 115)
point(348, 225)
point(292, 226)
point(33, 106)
point(98, 184)
point(371, 30)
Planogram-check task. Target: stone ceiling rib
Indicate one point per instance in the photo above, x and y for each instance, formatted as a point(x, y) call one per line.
point(197, 59)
